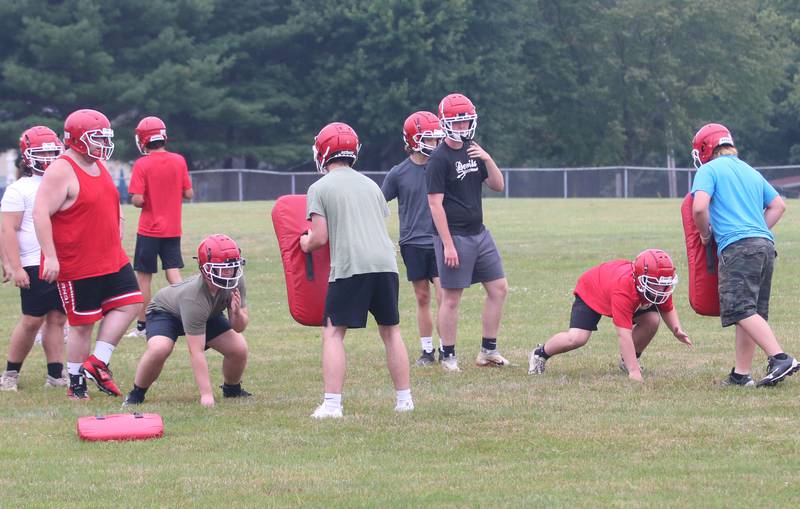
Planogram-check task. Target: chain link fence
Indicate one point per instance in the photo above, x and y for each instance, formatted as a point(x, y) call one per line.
point(590, 182)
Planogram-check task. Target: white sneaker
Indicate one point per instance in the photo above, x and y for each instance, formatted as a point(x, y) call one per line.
point(136, 333)
point(536, 362)
point(490, 358)
point(404, 406)
point(324, 412)
point(8, 381)
point(49, 381)
point(450, 364)
point(38, 339)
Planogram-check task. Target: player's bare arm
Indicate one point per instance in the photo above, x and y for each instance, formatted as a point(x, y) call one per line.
point(701, 216)
point(137, 200)
point(440, 222)
point(495, 179)
point(12, 222)
point(58, 191)
point(317, 235)
point(238, 315)
point(197, 357)
point(671, 319)
point(774, 211)
point(628, 352)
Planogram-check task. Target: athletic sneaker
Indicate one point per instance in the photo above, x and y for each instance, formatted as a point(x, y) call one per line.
point(9, 380)
point(50, 381)
point(324, 412)
point(241, 393)
point(777, 370)
point(77, 387)
point(136, 333)
point(97, 370)
point(405, 406)
point(490, 358)
point(536, 362)
point(450, 364)
point(743, 380)
point(622, 367)
point(426, 359)
point(132, 399)
point(38, 338)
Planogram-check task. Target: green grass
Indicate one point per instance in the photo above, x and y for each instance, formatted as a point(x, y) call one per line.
point(581, 435)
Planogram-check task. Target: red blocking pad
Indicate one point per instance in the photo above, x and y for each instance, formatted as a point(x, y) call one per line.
point(120, 427)
point(306, 274)
point(703, 279)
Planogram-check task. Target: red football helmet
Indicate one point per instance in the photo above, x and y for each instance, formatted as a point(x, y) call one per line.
point(39, 146)
point(455, 108)
point(417, 127)
point(709, 137)
point(333, 141)
point(218, 253)
point(149, 129)
point(655, 276)
point(89, 132)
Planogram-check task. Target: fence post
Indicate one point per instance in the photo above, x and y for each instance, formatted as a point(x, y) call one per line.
point(689, 181)
point(507, 175)
point(625, 173)
point(566, 193)
point(241, 189)
point(294, 185)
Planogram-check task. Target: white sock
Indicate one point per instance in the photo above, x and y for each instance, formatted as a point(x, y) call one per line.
point(74, 368)
point(103, 351)
point(427, 344)
point(332, 400)
point(403, 396)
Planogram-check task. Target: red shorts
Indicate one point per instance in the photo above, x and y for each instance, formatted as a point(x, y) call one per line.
point(87, 300)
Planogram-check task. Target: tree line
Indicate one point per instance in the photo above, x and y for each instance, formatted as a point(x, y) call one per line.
point(555, 82)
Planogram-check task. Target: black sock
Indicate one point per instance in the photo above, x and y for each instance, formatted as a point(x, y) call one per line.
point(140, 325)
point(55, 369)
point(489, 343)
point(541, 353)
point(781, 356)
point(13, 366)
point(138, 392)
point(447, 351)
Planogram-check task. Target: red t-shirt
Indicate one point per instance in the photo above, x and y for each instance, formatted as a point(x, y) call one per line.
point(610, 290)
point(161, 177)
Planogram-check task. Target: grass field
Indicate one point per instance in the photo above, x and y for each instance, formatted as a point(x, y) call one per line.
point(581, 435)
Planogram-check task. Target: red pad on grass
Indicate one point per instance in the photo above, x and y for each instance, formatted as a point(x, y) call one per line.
point(703, 279)
point(120, 427)
point(306, 274)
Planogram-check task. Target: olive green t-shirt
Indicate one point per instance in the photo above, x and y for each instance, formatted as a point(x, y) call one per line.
point(192, 302)
point(354, 208)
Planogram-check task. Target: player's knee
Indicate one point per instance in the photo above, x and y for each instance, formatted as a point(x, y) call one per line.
point(31, 323)
point(577, 338)
point(423, 296)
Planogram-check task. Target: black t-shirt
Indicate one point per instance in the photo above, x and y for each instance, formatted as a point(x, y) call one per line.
point(460, 178)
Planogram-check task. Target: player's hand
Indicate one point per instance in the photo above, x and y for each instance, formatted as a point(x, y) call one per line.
point(451, 256)
point(707, 238)
point(636, 375)
point(50, 269)
point(475, 151)
point(681, 336)
point(305, 239)
point(207, 400)
point(21, 279)
point(236, 301)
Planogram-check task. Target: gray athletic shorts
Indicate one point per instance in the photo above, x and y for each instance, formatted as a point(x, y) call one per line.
point(478, 258)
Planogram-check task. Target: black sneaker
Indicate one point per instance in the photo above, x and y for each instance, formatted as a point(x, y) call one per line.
point(133, 399)
point(737, 379)
point(77, 387)
point(234, 391)
point(426, 359)
point(778, 369)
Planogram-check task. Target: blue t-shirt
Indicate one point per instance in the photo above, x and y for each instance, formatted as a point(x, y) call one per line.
point(739, 195)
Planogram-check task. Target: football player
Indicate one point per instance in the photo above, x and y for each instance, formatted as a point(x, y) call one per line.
point(38, 146)
point(78, 221)
point(347, 210)
point(465, 250)
point(193, 308)
point(735, 205)
point(406, 182)
point(159, 184)
point(634, 294)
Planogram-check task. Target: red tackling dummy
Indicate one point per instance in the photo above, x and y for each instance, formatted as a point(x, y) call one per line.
point(306, 274)
point(120, 427)
point(703, 290)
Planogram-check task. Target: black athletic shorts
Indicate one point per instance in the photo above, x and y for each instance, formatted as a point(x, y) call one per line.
point(585, 318)
point(420, 262)
point(349, 299)
point(88, 300)
point(42, 297)
point(149, 248)
point(160, 323)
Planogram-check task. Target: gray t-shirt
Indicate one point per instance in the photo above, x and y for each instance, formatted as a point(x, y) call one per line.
point(407, 183)
point(354, 208)
point(192, 302)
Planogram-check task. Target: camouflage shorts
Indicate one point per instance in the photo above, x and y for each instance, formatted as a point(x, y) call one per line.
point(745, 279)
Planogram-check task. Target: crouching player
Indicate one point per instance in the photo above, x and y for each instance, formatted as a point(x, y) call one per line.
point(194, 308)
point(633, 294)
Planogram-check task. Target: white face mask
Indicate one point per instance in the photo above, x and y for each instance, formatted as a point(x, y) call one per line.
point(98, 143)
point(213, 272)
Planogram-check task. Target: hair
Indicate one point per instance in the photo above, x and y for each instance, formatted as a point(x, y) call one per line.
point(724, 150)
point(23, 170)
point(155, 144)
point(346, 160)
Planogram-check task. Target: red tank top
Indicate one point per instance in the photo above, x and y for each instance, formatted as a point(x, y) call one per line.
point(86, 235)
